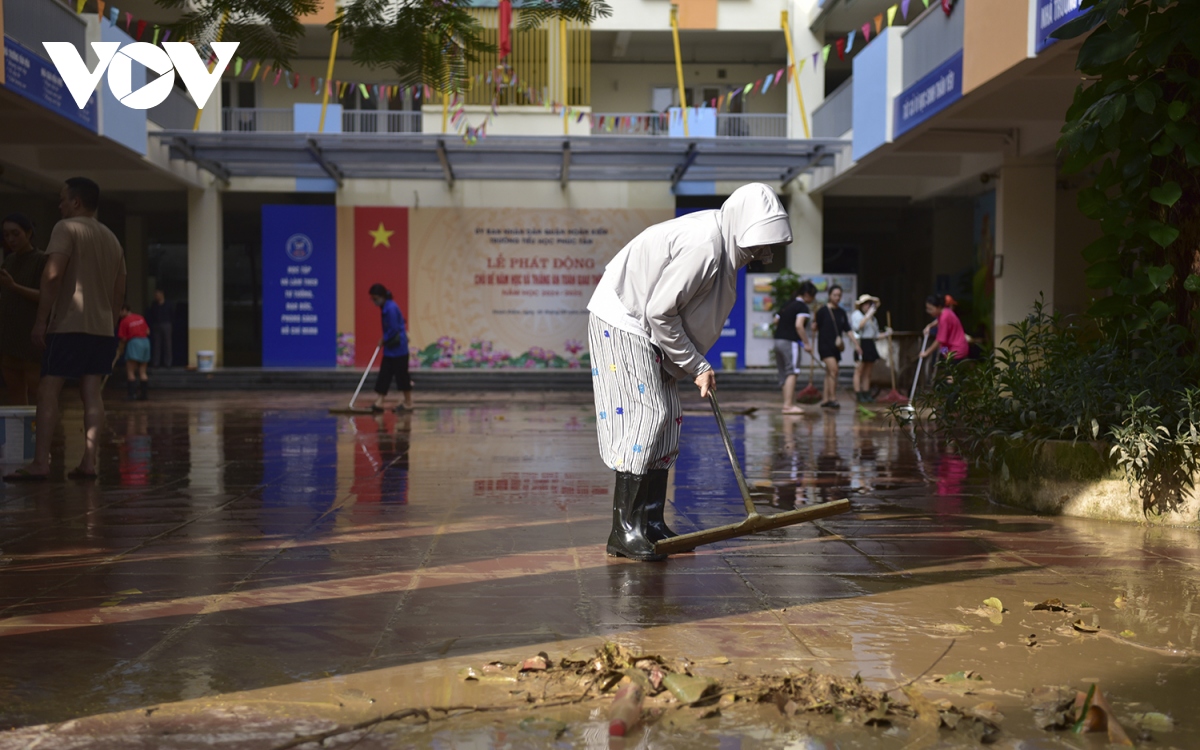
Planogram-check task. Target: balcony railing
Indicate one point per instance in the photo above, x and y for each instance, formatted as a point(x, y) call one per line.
point(834, 116)
point(752, 125)
point(728, 125)
point(32, 22)
point(385, 121)
point(929, 41)
point(247, 120)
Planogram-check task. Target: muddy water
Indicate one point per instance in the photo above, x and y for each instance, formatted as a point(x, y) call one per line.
point(247, 569)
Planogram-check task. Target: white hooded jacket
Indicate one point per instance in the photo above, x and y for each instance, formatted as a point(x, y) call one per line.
point(678, 279)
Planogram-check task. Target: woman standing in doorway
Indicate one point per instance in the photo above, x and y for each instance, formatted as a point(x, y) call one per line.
point(395, 350)
point(20, 284)
point(832, 325)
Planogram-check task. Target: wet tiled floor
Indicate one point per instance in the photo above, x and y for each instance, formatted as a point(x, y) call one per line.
point(251, 566)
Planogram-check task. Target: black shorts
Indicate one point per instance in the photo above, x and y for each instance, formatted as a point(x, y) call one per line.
point(870, 353)
point(393, 368)
point(73, 355)
point(825, 351)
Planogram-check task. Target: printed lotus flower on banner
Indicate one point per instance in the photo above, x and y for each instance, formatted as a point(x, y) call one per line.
point(446, 353)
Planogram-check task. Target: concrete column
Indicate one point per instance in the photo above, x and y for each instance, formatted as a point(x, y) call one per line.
point(812, 77)
point(135, 263)
point(1025, 213)
point(205, 273)
point(806, 254)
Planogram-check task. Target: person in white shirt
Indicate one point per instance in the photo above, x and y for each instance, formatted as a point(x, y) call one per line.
point(866, 328)
point(661, 304)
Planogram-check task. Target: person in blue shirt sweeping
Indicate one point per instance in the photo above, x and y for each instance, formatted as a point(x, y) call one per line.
point(395, 350)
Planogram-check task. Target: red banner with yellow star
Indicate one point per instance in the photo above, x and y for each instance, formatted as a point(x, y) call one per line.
point(380, 257)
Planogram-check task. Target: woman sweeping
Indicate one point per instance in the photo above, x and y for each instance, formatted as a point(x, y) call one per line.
point(661, 304)
point(395, 350)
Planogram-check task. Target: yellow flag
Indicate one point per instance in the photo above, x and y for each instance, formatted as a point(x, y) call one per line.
point(892, 14)
point(79, 6)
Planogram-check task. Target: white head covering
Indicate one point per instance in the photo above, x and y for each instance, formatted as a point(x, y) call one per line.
point(752, 217)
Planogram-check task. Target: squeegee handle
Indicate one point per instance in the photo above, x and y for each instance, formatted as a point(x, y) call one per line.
point(363, 379)
point(737, 470)
point(917, 376)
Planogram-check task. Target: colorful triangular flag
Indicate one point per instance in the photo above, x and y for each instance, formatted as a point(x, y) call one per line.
point(79, 6)
point(841, 48)
point(825, 53)
point(141, 29)
point(866, 30)
point(237, 66)
point(767, 85)
point(166, 35)
point(904, 8)
point(892, 14)
point(850, 41)
point(99, 9)
point(157, 31)
point(878, 23)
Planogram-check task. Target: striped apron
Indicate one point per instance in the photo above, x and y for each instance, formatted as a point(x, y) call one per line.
point(638, 415)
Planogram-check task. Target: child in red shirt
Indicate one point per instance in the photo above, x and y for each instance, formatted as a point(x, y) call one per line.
point(134, 334)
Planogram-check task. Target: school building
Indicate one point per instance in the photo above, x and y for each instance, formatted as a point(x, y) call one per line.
point(913, 144)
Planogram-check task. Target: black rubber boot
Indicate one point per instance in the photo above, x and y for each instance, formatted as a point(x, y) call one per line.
point(130, 390)
point(628, 537)
point(144, 390)
point(656, 505)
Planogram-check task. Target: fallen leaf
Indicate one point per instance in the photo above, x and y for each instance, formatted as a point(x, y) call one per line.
point(1050, 605)
point(1155, 722)
point(994, 603)
point(1085, 605)
point(1128, 634)
point(1084, 628)
point(468, 673)
point(688, 689)
point(1119, 602)
point(987, 711)
point(537, 663)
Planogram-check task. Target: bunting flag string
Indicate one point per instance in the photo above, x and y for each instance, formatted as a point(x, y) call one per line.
point(500, 80)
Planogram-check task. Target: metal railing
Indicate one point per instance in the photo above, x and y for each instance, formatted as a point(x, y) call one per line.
point(834, 116)
point(256, 120)
point(32, 22)
point(383, 121)
point(752, 125)
point(630, 123)
point(729, 125)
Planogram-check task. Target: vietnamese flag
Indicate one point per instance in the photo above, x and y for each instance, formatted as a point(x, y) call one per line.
point(380, 257)
point(505, 28)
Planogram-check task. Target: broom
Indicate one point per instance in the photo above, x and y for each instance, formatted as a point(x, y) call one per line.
point(810, 394)
point(893, 396)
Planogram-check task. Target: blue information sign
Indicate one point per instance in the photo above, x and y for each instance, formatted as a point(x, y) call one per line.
point(1051, 14)
point(937, 89)
point(36, 79)
point(299, 277)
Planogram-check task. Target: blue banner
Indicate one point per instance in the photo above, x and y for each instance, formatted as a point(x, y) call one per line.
point(1051, 14)
point(36, 79)
point(300, 470)
point(937, 89)
point(299, 278)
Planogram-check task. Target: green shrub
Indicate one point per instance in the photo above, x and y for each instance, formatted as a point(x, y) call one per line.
point(1058, 378)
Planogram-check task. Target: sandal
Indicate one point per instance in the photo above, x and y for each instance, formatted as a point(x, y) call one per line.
point(79, 475)
point(25, 475)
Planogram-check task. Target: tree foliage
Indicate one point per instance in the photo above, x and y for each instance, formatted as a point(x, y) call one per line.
point(1133, 129)
point(422, 41)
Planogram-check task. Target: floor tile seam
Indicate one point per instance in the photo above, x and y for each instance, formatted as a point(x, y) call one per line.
point(107, 506)
point(140, 545)
point(765, 602)
point(414, 582)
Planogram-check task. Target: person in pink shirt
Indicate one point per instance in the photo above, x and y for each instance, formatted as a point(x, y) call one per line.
point(951, 340)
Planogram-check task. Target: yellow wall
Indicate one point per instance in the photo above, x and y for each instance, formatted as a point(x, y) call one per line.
point(995, 38)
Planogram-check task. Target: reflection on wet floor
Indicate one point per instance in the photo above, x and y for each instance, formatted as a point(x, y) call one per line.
point(242, 554)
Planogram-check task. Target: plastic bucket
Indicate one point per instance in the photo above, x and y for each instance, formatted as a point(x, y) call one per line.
point(205, 361)
point(16, 433)
point(728, 360)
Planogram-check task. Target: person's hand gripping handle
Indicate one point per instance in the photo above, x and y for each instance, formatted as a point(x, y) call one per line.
point(706, 382)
